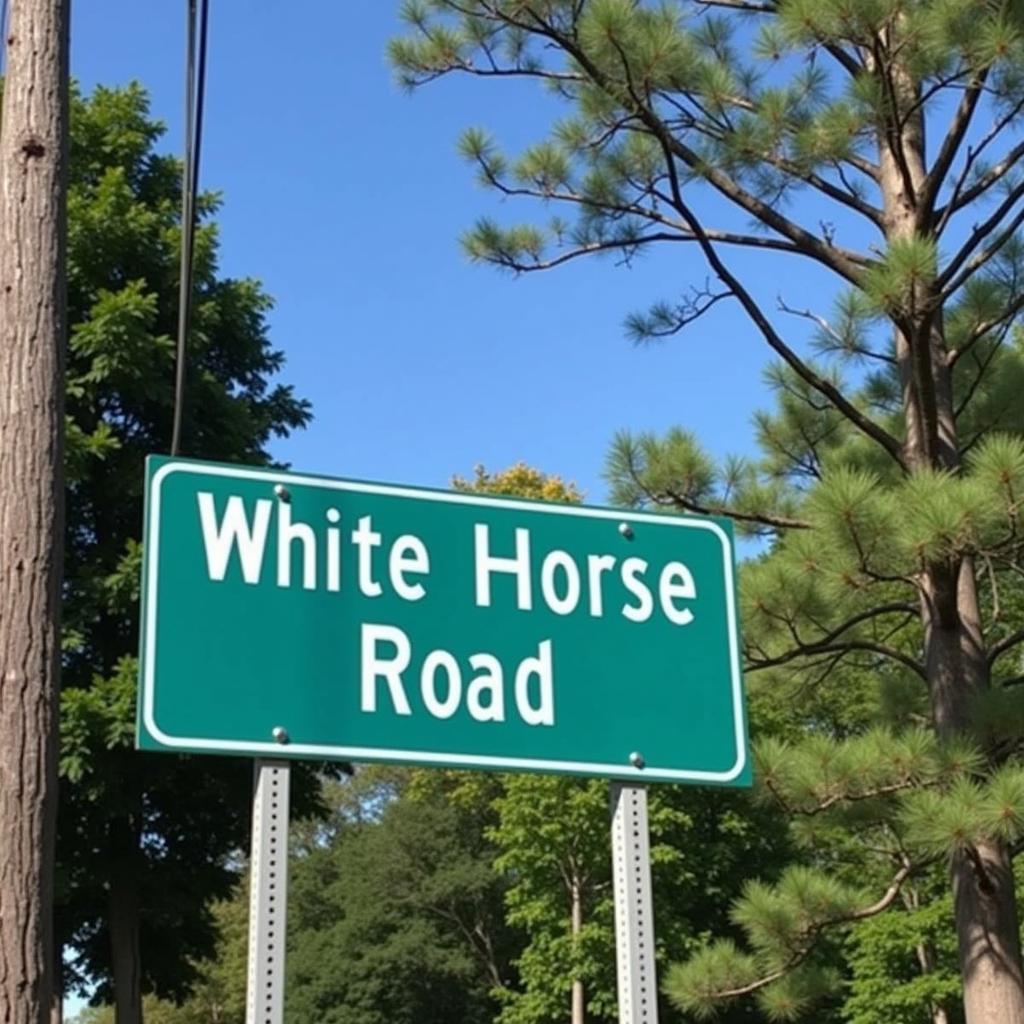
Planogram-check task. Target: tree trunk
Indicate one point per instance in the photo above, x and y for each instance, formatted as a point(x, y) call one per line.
point(988, 931)
point(578, 1004)
point(125, 953)
point(955, 663)
point(956, 666)
point(33, 166)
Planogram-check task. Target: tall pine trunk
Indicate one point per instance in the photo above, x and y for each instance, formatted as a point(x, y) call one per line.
point(33, 168)
point(956, 664)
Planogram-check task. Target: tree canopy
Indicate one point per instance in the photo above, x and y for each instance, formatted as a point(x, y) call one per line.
point(145, 841)
point(874, 145)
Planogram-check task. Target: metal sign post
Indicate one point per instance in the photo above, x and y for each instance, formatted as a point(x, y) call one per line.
point(634, 910)
point(268, 893)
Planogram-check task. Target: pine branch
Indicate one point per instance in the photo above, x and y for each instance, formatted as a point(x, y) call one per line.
point(772, 522)
point(954, 138)
point(1000, 648)
point(510, 262)
point(844, 647)
point(980, 376)
point(840, 798)
point(824, 387)
point(979, 331)
point(813, 932)
point(753, 310)
point(647, 213)
point(976, 237)
point(427, 75)
point(753, 6)
point(962, 196)
point(829, 330)
point(693, 308)
point(890, 608)
point(831, 644)
point(845, 197)
point(809, 243)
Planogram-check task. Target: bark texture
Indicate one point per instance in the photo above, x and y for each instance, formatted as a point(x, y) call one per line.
point(33, 158)
point(956, 665)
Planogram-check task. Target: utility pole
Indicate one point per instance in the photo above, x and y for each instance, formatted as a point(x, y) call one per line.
point(33, 174)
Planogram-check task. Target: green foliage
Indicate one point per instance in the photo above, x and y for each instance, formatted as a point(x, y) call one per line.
point(886, 954)
point(139, 829)
point(551, 837)
point(887, 491)
point(398, 916)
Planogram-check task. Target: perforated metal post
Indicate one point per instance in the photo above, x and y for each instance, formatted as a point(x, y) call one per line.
point(634, 913)
point(268, 893)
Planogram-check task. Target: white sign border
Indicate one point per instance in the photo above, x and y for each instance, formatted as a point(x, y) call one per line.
point(318, 751)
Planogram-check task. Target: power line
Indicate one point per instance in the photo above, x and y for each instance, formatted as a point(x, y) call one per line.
point(3, 35)
point(195, 94)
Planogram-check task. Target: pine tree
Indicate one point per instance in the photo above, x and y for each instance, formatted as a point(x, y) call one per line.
point(889, 501)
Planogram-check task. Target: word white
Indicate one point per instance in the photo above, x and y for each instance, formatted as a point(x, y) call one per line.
point(407, 555)
point(485, 695)
point(564, 586)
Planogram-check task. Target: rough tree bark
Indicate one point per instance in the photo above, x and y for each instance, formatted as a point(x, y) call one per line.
point(956, 665)
point(33, 164)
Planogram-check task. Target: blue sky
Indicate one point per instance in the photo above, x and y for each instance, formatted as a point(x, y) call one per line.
point(346, 196)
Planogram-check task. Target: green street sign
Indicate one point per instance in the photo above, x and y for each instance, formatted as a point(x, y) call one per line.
point(297, 616)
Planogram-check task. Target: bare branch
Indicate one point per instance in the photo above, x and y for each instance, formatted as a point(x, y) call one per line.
point(945, 279)
point(830, 331)
point(843, 647)
point(1008, 642)
point(980, 330)
point(972, 389)
point(772, 522)
point(951, 143)
point(963, 196)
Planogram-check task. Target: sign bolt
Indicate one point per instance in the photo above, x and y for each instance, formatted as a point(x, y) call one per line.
point(280, 734)
point(282, 492)
point(626, 530)
point(636, 759)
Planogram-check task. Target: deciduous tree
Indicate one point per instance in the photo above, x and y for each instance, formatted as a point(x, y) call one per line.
point(145, 840)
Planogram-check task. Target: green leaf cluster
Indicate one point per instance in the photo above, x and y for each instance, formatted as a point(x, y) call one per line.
point(141, 830)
